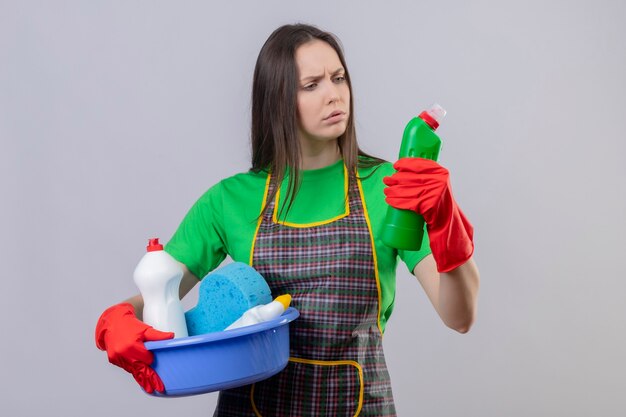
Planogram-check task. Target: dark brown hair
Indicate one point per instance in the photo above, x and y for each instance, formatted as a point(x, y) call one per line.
point(274, 135)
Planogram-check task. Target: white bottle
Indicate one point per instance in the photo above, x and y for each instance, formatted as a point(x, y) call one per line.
point(264, 312)
point(158, 277)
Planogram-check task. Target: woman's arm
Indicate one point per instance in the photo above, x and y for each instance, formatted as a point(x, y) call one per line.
point(453, 294)
point(188, 281)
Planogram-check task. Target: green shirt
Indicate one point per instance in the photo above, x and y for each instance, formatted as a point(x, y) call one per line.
point(224, 221)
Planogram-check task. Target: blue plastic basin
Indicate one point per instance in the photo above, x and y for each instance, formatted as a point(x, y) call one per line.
point(222, 360)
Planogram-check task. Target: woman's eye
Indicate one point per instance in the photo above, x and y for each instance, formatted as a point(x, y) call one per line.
point(340, 78)
point(310, 87)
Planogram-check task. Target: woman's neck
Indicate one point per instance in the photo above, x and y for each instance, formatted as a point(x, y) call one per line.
point(319, 155)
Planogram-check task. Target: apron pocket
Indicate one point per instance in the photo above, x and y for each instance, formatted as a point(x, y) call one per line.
point(311, 388)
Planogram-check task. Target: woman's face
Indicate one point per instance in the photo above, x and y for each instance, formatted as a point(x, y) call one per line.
point(323, 94)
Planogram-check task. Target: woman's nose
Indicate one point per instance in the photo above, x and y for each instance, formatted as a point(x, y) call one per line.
point(333, 94)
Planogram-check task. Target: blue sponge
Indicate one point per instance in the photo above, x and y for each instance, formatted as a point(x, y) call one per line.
point(225, 294)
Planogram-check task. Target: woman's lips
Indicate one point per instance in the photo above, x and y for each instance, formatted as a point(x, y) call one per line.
point(335, 116)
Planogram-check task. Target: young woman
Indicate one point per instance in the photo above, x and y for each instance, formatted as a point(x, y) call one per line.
point(308, 217)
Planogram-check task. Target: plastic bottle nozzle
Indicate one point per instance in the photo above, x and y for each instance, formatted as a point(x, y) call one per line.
point(154, 245)
point(436, 112)
point(433, 116)
point(285, 300)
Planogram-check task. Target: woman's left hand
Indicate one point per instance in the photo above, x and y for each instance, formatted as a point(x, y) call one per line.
point(423, 186)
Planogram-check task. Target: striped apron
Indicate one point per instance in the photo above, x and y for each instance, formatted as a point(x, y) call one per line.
point(336, 365)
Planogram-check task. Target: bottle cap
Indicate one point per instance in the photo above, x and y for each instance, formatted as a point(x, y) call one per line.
point(154, 245)
point(433, 116)
point(285, 300)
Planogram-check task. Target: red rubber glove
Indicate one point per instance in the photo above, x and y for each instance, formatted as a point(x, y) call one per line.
point(423, 186)
point(121, 334)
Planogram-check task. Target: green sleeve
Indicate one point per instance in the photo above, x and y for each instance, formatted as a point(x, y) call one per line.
point(199, 240)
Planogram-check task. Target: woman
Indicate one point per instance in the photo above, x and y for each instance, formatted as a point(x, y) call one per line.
point(307, 216)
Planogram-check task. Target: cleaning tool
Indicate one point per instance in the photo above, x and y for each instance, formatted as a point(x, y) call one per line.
point(121, 334)
point(264, 312)
point(404, 229)
point(224, 295)
point(222, 360)
point(158, 277)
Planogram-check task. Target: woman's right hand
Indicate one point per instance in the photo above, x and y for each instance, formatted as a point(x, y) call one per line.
point(121, 334)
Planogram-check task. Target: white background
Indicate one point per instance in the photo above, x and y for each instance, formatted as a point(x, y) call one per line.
point(116, 116)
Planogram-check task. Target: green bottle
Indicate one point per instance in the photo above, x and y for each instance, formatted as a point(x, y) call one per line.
point(404, 229)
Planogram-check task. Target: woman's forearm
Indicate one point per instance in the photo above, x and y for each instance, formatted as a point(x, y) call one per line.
point(457, 298)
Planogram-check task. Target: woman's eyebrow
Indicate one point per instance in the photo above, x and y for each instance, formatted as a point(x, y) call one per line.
point(317, 77)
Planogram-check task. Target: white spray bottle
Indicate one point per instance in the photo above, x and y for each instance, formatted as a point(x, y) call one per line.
point(158, 277)
point(261, 313)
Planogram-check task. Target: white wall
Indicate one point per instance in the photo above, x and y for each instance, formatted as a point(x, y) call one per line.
point(116, 116)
